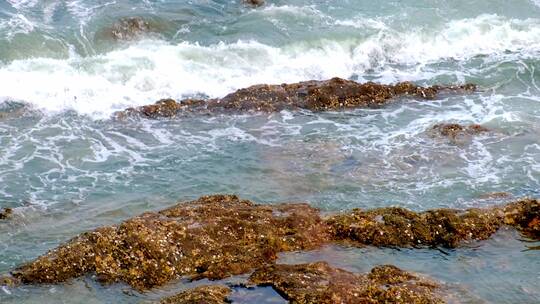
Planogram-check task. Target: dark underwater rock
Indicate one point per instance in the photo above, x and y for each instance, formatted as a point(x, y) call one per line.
point(456, 132)
point(6, 213)
point(128, 28)
point(213, 237)
point(254, 2)
point(333, 94)
point(321, 283)
point(207, 294)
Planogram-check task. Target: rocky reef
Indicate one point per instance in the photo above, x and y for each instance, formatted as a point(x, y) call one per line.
point(333, 94)
point(213, 237)
point(321, 283)
point(221, 235)
point(207, 294)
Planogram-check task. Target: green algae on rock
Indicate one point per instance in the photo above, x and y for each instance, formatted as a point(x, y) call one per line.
point(320, 283)
point(213, 237)
point(207, 294)
point(332, 94)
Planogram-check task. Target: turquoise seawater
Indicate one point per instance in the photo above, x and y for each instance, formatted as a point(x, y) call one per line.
point(66, 167)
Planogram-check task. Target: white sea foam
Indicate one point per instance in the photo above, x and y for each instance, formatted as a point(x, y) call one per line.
point(150, 70)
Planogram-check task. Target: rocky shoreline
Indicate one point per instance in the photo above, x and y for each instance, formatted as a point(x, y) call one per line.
point(327, 95)
point(220, 236)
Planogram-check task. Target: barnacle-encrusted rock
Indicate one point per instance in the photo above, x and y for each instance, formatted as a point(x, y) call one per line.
point(332, 94)
point(5, 213)
point(212, 237)
point(524, 215)
point(399, 227)
point(321, 283)
point(455, 131)
point(207, 294)
point(218, 236)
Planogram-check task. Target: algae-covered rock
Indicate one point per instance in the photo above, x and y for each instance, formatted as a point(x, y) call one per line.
point(212, 237)
point(400, 227)
point(332, 94)
point(524, 215)
point(207, 294)
point(221, 235)
point(321, 283)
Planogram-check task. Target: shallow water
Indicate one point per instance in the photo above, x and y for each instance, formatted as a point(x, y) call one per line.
point(66, 167)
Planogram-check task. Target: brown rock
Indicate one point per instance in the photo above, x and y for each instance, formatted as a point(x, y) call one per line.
point(524, 215)
point(399, 227)
point(320, 283)
point(207, 294)
point(221, 235)
point(333, 94)
point(213, 237)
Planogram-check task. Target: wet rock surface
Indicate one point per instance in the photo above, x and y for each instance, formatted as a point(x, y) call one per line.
point(321, 283)
point(524, 215)
point(400, 227)
point(207, 294)
point(333, 94)
point(213, 237)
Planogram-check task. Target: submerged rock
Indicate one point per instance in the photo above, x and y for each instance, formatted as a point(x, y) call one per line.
point(254, 2)
point(207, 294)
point(213, 237)
point(6, 213)
point(332, 94)
point(400, 227)
point(128, 28)
point(321, 283)
point(457, 132)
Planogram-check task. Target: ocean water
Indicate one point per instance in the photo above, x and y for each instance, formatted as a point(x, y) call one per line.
point(66, 167)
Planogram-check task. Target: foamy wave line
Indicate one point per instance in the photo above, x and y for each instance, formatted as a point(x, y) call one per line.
point(150, 70)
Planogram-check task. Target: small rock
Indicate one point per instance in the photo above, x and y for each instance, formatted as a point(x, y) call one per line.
point(207, 294)
point(254, 2)
point(130, 28)
point(6, 213)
